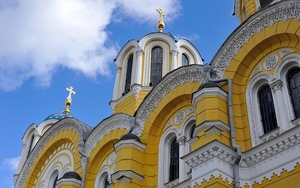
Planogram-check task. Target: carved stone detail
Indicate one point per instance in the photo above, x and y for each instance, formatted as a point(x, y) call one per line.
point(270, 62)
point(285, 52)
point(179, 117)
point(193, 73)
point(256, 70)
point(136, 90)
point(276, 85)
point(117, 121)
point(285, 10)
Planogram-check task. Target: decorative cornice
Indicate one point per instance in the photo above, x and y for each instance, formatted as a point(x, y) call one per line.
point(126, 173)
point(131, 142)
point(271, 157)
point(63, 125)
point(214, 149)
point(283, 11)
point(192, 73)
point(212, 91)
point(117, 121)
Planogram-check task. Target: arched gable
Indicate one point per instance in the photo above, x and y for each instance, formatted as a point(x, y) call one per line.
point(176, 78)
point(268, 17)
point(60, 135)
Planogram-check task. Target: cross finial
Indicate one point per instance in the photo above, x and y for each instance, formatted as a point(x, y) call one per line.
point(71, 91)
point(69, 99)
point(160, 23)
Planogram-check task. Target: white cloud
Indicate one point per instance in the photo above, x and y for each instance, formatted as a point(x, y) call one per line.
point(11, 163)
point(37, 37)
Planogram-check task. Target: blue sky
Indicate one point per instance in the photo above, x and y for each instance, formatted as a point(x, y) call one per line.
point(46, 46)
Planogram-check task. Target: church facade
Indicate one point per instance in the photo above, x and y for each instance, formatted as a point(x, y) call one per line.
point(176, 122)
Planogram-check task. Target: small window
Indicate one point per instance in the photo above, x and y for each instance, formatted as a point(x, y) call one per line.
point(185, 60)
point(156, 65)
point(267, 109)
point(128, 74)
point(293, 80)
point(174, 160)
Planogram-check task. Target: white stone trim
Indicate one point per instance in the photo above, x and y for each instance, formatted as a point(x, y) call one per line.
point(208, 124)
point(271, 157)
point(116, 121)
point(213, 159)
point(72, 182)
point(126, 173)
point(132, 143)
point(211, 91)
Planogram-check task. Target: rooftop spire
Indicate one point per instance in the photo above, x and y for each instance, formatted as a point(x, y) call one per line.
point(160, 24)
point(69, 99)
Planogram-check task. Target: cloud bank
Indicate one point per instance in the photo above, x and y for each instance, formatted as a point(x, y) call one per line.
point(38, 37)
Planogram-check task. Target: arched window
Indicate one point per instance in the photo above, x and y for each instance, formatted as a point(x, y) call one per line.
point(185, 60)
point(267, 109)
point(293, 80)
point(174, 160)
point(106, 182)
point(128, 74)
point(53, 179)
point(156, 65)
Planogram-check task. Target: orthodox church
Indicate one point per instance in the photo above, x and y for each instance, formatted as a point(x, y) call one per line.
point(234, 122)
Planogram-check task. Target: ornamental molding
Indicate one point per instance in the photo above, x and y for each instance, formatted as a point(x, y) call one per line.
point(254, 126)
point(270, 62)
point(209, 124)
point(270, 158)
point(63, 125)
point(214, 159)
point(136, 89)
point(117, 121)
point(132, 143)
point(214, 149)
point(289, 59)
point(256, 70)
point(128, 174)
point(285, 52)
point(179, 117)
point(211, 91)
point(276, 85)
point(180, 76)
point(282, 11)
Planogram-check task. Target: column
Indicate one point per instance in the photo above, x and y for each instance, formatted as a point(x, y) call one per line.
point(281, 109)
point(138, 66)
point(174, 58)
point(117, 83)
point(182, 165)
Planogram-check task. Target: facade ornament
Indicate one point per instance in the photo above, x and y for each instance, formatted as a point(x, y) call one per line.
point(193, 73)
point(160, 24)
point(285, 52)
point(276, 85)
point(179, 117)
point(256, 70)
point(136, 88)
point(252, 26)
point(270, 62)
point(69, 99)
